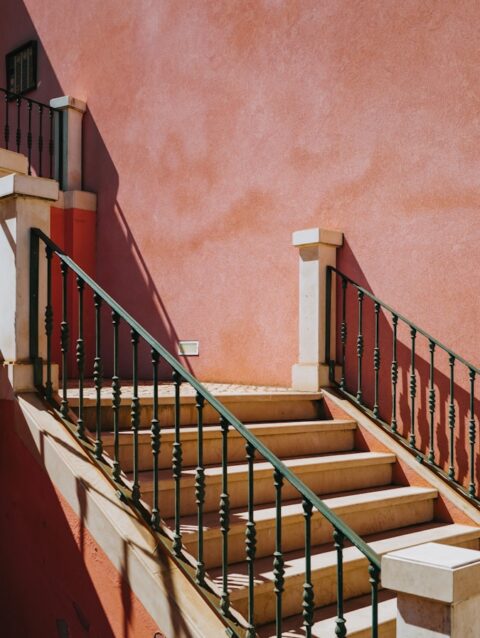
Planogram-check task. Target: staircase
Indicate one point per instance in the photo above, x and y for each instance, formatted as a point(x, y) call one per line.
point(326, 454)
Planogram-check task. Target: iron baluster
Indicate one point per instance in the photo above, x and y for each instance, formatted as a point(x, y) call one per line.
point(50, 143)
point(376, 358)
point(394, 373)
point(343, 331)
point(155, 441)
point(308, 603)
point(40, 139)
point(472, 437)
point(200, 490)
point(49, 324)
point(6, 130)
point(224, 512)
point(116, 399)
point(177, 466)
point(64, 340)
point(80, 352)
point(135, 416)
point(29, 136)
point(278, 561)
point(19, 132)
point(413, 389)
point(431, 403)
point(250, 543)
point(374, 577)
point(97, 378)
point(360, 346)
point(451, 417)
point(340, 623)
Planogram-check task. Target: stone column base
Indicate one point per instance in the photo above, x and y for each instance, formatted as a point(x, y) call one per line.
point(309, 377)
point(20, 376)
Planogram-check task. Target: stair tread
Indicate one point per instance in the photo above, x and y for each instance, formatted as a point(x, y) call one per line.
point(265, 514)
point(324, 557)
point(357, 614)
point(237, 470)
point(213, 431)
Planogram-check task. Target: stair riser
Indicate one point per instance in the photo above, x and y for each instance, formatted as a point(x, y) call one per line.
point(287, 444)
point(247, 411)
point(356, 583)
point(368, 521)
point(320, 480)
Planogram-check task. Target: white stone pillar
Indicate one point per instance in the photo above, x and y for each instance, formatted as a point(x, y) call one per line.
point(72, 113)
point(24, 203)
point(317, 250)
point(438, 590)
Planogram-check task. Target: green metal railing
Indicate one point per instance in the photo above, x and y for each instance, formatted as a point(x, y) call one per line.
point(426, 451)
point(130, 492)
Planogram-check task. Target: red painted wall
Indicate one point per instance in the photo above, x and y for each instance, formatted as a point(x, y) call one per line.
point(216, 128)
point(60, 578)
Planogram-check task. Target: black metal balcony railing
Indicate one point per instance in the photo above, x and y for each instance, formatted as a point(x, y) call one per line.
point(431, 431)
point(131, 492)
point(34, 129)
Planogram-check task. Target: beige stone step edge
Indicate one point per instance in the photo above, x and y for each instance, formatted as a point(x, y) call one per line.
point(190, 399)
point(469, 514)
point(153, 576)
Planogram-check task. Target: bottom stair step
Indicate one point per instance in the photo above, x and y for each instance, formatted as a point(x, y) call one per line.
point(358, 617)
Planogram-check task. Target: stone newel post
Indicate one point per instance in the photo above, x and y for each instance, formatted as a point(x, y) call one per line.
point(438, 590)
point(72, 112)
point(24, 203)
point(317, 250)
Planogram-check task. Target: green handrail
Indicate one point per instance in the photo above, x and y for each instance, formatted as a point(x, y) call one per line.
point(342, 532)
point(429, 455)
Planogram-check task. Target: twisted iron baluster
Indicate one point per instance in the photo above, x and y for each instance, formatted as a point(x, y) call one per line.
point(155, 441)
point(343, 331)
point(98, 378)
point(472, 434)
point(431, 403)
point(6, 130)
point(374, 578)
point(64, 338)
point(177, 466)
point(40, 139)
point(413, 389)
point(451, 417)
point(340, 623)
point(50, 143)
point(394, 373)
point(360, 346)
point(135, 416)
point(29, 136)
point(224, 512)
point(80, 352)
point(250, 543)
point(376, 358)
point(116, 399)
point(278, 562)
point(19, 132)
point(308, 593)
point(49, 324)
point(200, 490)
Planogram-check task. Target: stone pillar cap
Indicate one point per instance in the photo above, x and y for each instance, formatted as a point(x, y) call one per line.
point(28, 186)
point(439, 572)
point(314, 236)
point(68, 102)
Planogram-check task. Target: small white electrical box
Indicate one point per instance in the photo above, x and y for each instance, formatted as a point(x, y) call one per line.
point(188, 348)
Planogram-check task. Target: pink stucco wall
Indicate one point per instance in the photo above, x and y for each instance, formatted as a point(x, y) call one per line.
point(215, 129)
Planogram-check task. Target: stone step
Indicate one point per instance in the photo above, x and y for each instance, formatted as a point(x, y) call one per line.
point(283, 439)
point(324, 569)
point(358, 617)
point(251, 407)
point(324, 474)
point(366, 512)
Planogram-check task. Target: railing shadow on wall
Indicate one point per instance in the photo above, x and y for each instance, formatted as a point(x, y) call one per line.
point(436, 408)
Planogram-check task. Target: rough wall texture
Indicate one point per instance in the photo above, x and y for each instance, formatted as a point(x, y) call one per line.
point(217, 128)
point(58, 582)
